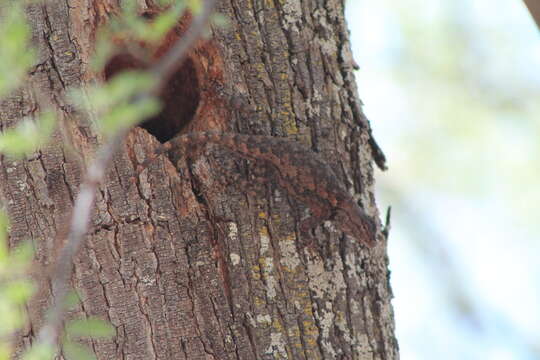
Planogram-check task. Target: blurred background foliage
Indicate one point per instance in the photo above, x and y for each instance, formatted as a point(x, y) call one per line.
point(452, 89)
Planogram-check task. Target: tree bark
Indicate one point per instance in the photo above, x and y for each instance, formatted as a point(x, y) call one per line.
point(185, 263)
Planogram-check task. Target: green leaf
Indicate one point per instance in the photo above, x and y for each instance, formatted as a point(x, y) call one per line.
point(17, 260)
point(195, 6)
point(119, 89)
point(4, 223)
point(163, 23)
point(72, 300)
point(91, 327)
point(27, 136)
point(119, 103)
point(18, 291)
point(17, 56)
point(11, 315)
point(103, 51)
point(74, 351)
point(130, 25)
point(40, 352)
point(127, 115)
point(22, 254)
point(129, 7)
point(169, 2)
point(220, 20)
point(5, 351)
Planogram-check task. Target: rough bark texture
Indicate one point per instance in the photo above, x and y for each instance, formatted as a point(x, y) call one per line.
point(182, 262)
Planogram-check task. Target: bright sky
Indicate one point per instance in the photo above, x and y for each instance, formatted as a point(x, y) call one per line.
point(463, 179)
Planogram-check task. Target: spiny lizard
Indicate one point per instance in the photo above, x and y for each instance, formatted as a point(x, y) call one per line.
point(301, 172)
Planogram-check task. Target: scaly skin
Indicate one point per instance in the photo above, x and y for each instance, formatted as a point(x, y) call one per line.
point(303, 173)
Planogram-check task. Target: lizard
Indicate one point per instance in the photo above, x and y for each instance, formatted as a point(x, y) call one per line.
point(301, 172)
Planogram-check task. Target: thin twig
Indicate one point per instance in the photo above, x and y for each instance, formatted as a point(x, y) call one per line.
point(84, 203)
point(80, 220)
point(169, 63)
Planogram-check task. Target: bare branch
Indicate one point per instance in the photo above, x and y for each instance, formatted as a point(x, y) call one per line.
point(80, 219)
point(169, 63)
point(85, 200)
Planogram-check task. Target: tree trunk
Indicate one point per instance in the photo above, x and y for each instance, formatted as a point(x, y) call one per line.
point(184, 262)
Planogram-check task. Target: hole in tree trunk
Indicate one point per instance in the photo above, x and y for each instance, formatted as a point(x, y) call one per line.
point(180, 97)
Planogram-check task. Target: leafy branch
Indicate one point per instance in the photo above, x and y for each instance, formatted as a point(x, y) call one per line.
point(128, 99)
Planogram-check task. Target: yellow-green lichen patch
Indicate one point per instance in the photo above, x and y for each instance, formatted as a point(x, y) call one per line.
point(341, 323)
point(277, 347)
point(256, 272)
point(235, 259)
point(264, 320)
point(232, 231)
point(264, 239)
point(325, 284)
point(311, 332)
point(290, 258)
point(292, 10)
point(287, 119)
point(267, 269)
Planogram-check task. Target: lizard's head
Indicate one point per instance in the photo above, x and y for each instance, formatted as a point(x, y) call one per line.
point(357, 225)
